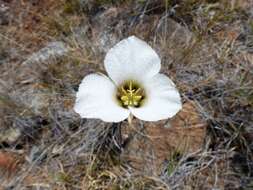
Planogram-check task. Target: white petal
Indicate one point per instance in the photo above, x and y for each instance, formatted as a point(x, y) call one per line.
point(133, 59)
point(96, 99)
point(163, 100)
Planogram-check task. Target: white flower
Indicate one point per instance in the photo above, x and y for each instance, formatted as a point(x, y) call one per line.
point(134, 86)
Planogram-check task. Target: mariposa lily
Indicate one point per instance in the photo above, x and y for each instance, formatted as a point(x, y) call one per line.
point(134, 86)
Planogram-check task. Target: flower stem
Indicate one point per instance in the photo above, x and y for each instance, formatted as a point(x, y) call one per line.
point(130, 119)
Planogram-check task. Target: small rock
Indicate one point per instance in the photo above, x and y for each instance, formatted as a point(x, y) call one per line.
point(36, 66)
point(33, 92)
point(106, 41)
point(104, 32)
point(10, 135)
point(4, 15)
point(10, 165)
point(154, 144)
point(52, 50)
point(33, 97)
point(175, 36)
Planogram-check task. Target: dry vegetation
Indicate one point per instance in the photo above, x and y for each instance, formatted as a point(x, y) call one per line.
point(48, 46)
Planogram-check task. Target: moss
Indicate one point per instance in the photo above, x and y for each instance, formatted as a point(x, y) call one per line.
point(251, 26)
point(60, 24)
point(105, 2)
point(72, 6)
point(173, 162)
point(62, 177)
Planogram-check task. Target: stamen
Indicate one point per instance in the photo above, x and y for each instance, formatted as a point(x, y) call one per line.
point(130, 94)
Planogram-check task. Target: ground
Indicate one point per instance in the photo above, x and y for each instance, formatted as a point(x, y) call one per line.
point(47, 47)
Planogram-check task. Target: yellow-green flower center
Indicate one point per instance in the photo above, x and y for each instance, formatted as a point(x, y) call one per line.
point(130, 94)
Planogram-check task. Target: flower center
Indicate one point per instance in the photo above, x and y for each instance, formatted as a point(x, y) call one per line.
point(130, 94)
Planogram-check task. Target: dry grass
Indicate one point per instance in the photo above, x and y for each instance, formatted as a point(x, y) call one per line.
point(206, 48)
